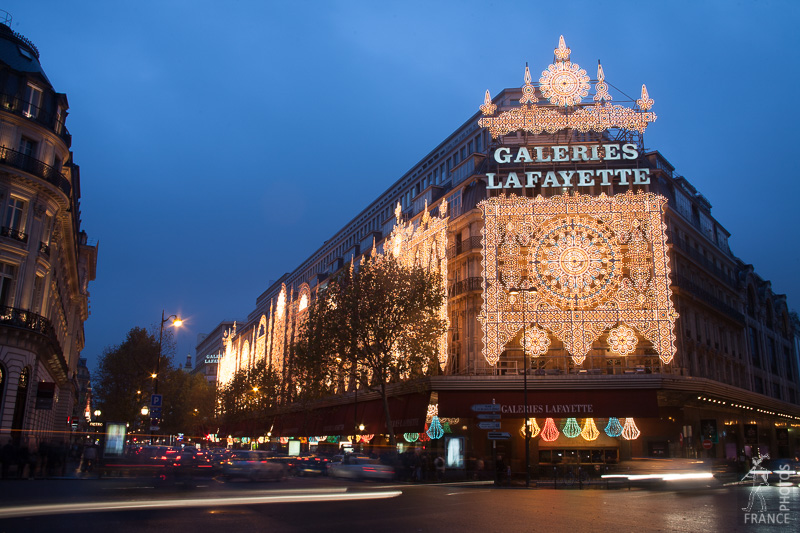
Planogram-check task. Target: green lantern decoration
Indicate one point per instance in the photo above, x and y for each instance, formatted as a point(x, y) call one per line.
point(571, 429)
point(614, 428)
point(411, 437)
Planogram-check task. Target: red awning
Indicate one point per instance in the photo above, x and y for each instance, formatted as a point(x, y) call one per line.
point(407, 412)
point(641, 403)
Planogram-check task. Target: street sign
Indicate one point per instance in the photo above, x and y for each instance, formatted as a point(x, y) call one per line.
point(498, 435)
point(707, 444)
point(154, 428)
point(489, 416)
point(155, 400)
point(486, 407)
point(489, 425)
point(155, 412)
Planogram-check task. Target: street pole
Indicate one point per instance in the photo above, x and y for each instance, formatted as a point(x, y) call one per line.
point(525, 389)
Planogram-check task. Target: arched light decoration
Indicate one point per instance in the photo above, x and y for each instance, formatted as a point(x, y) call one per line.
point(435, 430)
point(589, 431)
point(630, 431)
point(614, 428)
point(411, 437)
point(550, 431)
point(571, 428)
point(534, 428)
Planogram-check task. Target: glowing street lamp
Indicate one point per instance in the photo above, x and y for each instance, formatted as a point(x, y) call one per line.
point(177, 322)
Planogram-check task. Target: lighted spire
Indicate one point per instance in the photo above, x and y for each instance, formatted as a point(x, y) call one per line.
point(562, 52)
point(528, 92)
point(645, 102)
point(601, 88)
point(488, 107)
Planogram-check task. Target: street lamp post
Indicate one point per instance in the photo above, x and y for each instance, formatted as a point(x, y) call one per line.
point(176, 321)
point(514, 292)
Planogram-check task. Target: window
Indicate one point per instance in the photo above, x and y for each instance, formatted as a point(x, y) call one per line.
point(59, 125)
point(38, 293)
point(15, 215)
point(33, 101)
point(8, 274)
point(27, 147)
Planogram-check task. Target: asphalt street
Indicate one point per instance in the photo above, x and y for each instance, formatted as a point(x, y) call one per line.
point(323, 504)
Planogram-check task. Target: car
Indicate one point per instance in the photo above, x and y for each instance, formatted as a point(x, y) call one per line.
point(311, 465)
point(361, 467)
point(252, 465)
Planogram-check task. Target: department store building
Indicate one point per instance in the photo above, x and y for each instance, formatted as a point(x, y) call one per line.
point(554, 228)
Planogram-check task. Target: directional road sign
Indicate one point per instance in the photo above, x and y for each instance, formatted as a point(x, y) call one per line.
point(155, 412)
point(489, 416)
point(155, 400)
point(486, 407)
point(489, 425)
point(499, 435)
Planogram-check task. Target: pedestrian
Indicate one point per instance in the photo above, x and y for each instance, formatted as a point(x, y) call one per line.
point(500, 469)
point(89, 457)
point(438, 463)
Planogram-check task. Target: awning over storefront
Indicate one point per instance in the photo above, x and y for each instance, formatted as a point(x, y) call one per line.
point(554, 403)
point(407, 413)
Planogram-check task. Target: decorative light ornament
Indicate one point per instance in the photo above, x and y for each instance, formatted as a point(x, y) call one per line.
point(622, 340)
point(536, 341)
point(571, 428)
point(433, 410)
point(411, 437)
point(630, 431)
point(488, 108)
point(550, 431)
point(423, 437)
point(645, 102)
point(322, 438)
point(614, 428)
point(595, 262)
point(435, 430)
point(589, 431)
point(601, 88)
point(284, 440)
point(446, 426)
point(334, 439)
point(528, 92)
point(534, 428)
point(366, 438)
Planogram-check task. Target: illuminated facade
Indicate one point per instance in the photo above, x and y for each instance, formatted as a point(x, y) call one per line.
point(555, 228)
point(46, 261)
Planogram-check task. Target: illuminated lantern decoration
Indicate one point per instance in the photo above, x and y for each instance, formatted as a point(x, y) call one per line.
point(589, 431)
point(284, 440)
point(411, 437)
point(614, 428)
point(446, 427)
point(322, 438)
point(366, 438)
point(571, 428)
point(534, 428)
point(630, 431)
point(423, 437)
point(334, 439)
point(550, 431)
point(311, 440)
point(435, 430)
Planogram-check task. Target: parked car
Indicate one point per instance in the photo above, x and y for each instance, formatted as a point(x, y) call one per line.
point(252, 465)
point(361, 467)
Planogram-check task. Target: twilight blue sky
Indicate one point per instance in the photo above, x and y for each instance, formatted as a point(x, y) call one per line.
point(221, 143)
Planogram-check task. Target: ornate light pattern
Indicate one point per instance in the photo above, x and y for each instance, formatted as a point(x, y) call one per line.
point(284, 440)
point(528, 92)
point(645, 102)
point(550, 431)
point(488, 108)
point(411, 437)
point(589, 431)
point(433, 410)
point(367, 438)
point(603, 263)
point(435, 430)
point(601, 87)
point(571, 428)
point(261, 339)
point(630, 431)
point(565, 84)
point(536, 342)
point(425, 245)
point(622, 340)
point(614, 428)
point(534, 428)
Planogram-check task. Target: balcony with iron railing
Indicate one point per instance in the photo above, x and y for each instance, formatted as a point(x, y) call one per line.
point(466, 245)
point(15, 234)
point(51, 121)
point(43, 329)
point(703, 295)
point(465, 285)
point(31, 165)
point(706, 263)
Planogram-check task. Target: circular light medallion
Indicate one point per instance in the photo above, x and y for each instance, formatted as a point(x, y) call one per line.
point(576, 261)
point(564, 83)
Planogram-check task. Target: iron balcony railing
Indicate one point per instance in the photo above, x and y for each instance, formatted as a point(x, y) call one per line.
point(17, 235)
point(20, 318)
point(465, 285)
point(700, 258)
point(705, 296)
point(50, 120)
point(33, 166)
point(466, 245)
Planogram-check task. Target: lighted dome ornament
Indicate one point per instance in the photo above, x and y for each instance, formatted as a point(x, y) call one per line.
point(630, 431)
point(613, 428)
point(566, 85)
point(589, 431)
point(550, 431)
point(534, 428)
point(571, 428)
point(622, 340)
